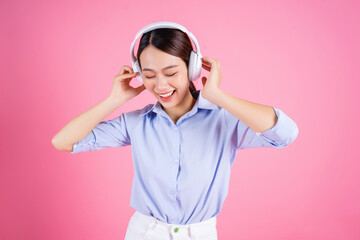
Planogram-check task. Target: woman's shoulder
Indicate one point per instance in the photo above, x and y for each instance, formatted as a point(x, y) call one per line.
point(132, 118)
point(139, 112)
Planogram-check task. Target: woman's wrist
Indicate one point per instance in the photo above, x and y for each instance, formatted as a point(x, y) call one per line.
point(115, 102)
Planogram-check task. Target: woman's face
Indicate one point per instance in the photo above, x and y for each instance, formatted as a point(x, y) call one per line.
point(163, 73)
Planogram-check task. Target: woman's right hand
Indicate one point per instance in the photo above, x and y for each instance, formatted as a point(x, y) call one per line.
point(121, 89)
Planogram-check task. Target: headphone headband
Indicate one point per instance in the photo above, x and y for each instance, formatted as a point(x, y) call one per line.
point(162, 24)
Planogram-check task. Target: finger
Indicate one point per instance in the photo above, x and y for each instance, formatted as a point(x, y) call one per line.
point(206, 67)
point(207, 64)
point(206, 61)
point(141, 88)
point(126, 68)
point(210, 61)
point(128, 75)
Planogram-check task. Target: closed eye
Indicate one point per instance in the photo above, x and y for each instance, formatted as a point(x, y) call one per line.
point(166, 75)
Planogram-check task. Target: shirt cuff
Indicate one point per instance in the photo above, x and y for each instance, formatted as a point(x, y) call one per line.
point(85, 144)
point(284, 132)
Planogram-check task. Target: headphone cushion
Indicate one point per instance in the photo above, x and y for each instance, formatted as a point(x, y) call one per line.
point(194, 66)
point(136, 68)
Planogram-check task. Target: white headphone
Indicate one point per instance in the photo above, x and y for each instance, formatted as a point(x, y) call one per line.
point(195, 62)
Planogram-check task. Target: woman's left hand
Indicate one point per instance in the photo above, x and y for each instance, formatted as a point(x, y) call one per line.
point(212, 83)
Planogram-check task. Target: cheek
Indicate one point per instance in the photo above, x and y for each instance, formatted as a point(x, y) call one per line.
point(183, 83)
point(148, 84)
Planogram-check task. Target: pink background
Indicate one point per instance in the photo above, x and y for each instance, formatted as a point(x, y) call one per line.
point(60, 57)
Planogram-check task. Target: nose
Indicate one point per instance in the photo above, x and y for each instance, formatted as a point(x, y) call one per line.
point(162, 83)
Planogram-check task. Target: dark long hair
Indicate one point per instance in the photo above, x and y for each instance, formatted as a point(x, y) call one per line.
point(172, 41)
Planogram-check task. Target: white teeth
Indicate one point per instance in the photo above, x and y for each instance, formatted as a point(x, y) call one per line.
point(166, 95)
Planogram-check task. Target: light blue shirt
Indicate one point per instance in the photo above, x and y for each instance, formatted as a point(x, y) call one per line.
point(182, 170)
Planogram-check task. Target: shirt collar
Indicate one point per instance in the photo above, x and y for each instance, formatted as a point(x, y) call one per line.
point(201, 102)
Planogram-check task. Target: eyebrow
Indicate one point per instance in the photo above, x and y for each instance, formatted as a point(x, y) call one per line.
point(148, 69)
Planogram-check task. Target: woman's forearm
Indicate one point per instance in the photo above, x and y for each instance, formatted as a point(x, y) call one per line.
point(257, 116)
point(79, 127)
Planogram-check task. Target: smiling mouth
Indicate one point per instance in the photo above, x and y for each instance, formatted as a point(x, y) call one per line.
point(167, 94)
point(168, 97)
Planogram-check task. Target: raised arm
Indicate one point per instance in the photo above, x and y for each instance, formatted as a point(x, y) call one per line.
point(80, 127)
point(254, 125)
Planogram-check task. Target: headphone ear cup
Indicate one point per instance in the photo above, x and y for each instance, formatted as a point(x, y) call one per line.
point(194, 66)
point(136, 68)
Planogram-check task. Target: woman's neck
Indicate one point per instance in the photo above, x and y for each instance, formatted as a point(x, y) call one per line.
point(176, 113)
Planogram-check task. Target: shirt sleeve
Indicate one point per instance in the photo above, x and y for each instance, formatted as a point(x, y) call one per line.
point(284, 132)
point(110, 133)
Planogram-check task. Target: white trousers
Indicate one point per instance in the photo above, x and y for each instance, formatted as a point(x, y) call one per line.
point(143, 227)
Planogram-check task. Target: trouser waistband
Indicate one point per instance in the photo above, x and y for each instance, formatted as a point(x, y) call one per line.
point(177, 229)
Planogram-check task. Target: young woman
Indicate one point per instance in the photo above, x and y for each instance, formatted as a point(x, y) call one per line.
point(184, 145)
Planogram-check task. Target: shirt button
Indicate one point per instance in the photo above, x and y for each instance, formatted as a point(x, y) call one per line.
point(172, 191)
point(175, 129)
point(176, 160)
